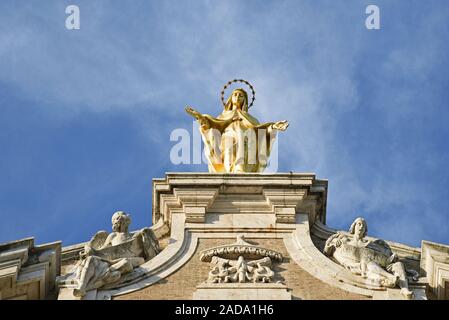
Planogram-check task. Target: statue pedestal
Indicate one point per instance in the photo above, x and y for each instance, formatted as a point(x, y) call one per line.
point(250, 200)
point(242, 291)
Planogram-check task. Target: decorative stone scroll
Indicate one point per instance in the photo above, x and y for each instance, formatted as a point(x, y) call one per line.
point(240, 262)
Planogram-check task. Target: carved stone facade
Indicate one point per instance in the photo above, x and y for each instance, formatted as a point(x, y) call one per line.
point(240, 262)
point(28, 272)
point(241, 271)
point(284, 250)
point(435, 267)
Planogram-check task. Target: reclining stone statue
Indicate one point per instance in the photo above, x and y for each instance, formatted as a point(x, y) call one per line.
point(373, 260)
point(107, 257)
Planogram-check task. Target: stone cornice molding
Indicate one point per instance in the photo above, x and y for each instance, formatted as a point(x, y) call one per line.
point(24, 265)
point(192, 202)
point(284, 202)
point(194, 193)
point(435, 266)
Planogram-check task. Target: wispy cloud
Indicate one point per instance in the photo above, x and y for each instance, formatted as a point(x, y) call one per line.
point(366, 108)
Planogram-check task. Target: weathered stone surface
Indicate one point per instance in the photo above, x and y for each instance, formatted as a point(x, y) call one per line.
point(239, 291)
point(27, 271)
point(373, 261)
point(183, 283)
point(435, 267)
point(110, 258)
point(194, 214)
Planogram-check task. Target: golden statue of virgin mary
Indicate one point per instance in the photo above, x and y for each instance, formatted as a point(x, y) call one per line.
point(235, 141)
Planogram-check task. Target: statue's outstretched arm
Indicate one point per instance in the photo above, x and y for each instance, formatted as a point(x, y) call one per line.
point(194, 113)
point(264, 125)
point(208, 121)
point(279, 125)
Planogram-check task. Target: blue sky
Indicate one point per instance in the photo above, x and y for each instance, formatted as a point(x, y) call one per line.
point(86, 114)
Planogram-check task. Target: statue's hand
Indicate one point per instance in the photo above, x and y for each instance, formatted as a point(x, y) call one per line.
point(194, 113)
point(280, 125)
point(204, 122)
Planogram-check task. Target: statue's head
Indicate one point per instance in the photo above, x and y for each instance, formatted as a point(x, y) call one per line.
point(237, 100)
point(359, 228)
point(120, 221)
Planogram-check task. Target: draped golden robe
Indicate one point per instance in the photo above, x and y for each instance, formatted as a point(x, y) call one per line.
point(236, 142)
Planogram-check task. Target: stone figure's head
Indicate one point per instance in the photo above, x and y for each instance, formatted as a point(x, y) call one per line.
point(359, 228)
point(120, 221)
point(237, 100)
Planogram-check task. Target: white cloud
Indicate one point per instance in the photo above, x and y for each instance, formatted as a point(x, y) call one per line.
point(303, 61)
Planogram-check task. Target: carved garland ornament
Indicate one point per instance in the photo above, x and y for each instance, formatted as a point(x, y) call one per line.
point(240, 262)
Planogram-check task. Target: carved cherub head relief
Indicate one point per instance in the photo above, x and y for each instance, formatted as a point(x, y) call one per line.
point(359, 228)
point(120, 221)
